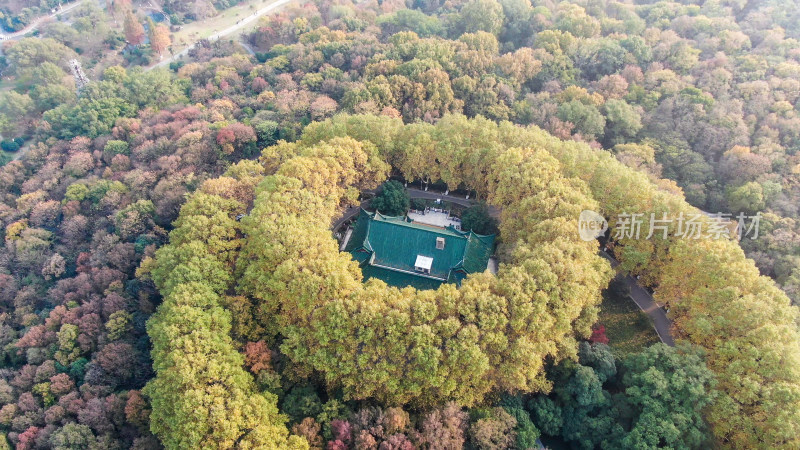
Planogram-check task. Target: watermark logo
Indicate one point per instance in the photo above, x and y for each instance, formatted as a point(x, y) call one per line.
point(591, 225)
point(649, 226)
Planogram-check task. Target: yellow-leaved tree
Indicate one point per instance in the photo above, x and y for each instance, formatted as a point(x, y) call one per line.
point(404, 346)
point(201, 396)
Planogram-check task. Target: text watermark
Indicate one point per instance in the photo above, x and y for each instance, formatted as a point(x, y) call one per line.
point(592, 225)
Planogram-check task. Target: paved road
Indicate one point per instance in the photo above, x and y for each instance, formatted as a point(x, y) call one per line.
point(216, 36)
point(645, 302)
point(350, 212)
point(35, 24)
point(433, 195)
point(413, 193)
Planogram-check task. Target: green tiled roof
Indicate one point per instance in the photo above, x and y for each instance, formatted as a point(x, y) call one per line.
point(358, 237)
point(478, 252)
point(393, 244)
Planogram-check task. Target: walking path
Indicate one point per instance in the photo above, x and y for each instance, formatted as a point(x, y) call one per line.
point(645, 302)
point(348, 214)
point(433, 195)
point(414, 193)
point(216, 36)
point(36, 22)
point(247, 47)
point(21, 152)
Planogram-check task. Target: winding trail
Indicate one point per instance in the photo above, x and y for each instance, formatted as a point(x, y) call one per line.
point(216, 36)
point(247, 47)
point(36, 22)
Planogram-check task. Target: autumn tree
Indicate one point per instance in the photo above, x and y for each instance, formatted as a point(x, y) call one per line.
point(134, 31)
point(700, 101)
point(117, 7)
point(159, 37)
point(338, 293)
point(482, 15)
point(183, 405)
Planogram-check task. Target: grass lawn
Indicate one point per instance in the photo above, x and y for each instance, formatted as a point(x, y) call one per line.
point(627, 327)
point(226, 18)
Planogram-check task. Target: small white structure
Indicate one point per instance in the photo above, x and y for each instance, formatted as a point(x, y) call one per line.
point(423, 264)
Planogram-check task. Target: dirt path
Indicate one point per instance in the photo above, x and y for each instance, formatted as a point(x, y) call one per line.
point(216, 36)
point(21, 152)
point(247, 47)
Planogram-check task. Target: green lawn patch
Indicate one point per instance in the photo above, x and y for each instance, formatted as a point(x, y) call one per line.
point(628, 329)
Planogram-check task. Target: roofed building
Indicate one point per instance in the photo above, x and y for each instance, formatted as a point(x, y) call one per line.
point(402, 252)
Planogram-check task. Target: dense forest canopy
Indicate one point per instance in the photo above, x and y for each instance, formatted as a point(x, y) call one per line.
point(168, 278)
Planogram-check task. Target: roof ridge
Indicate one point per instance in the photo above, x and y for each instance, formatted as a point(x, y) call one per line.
point(425, 227)
point(367, 244)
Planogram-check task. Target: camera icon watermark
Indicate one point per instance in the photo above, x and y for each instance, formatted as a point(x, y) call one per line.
point(591, 225)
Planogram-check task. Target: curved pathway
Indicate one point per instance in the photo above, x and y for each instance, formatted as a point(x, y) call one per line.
point(414, 193)
point(247, 47)
point(216, 36)
point(36, 22)
point(348, 214)
point(645, 302)
point(433, 195)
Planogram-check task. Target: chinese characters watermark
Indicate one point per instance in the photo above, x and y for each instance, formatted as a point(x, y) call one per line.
point(692, 226)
